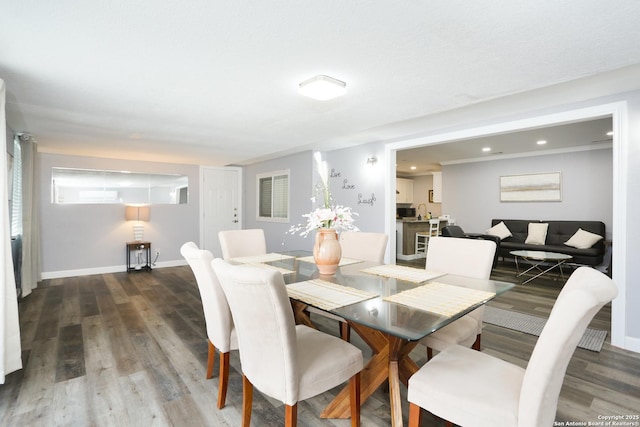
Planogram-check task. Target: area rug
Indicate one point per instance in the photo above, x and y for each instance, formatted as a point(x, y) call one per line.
point(532, 325)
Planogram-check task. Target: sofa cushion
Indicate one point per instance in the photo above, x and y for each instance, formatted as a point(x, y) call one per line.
point(537, 233)
point(583, 239)
point(500, 230)
point(517, 227)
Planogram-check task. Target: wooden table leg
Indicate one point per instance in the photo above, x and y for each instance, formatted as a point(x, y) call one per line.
point(301, 315)
point(390, 361)
point(401, 367)
point(372, 376)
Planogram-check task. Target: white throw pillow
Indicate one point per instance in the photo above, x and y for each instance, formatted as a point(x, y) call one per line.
point(537, 233)
point(583, 239)
point(500, 230)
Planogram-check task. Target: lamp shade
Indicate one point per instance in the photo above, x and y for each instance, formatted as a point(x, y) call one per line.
point(137, 213)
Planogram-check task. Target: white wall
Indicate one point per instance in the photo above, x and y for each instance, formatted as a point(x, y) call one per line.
point(87, 239)
point(471, 191)
point(631, 202)
point(421, 186)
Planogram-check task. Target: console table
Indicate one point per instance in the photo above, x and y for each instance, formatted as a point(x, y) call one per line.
point(135, 247)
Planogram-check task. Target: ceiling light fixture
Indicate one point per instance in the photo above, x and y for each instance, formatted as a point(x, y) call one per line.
point(413, 168)
point(322, 88)
point(541, 142)
point(610, 133)
point(486, 149)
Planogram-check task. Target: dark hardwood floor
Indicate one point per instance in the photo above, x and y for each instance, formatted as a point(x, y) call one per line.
point(129, 349)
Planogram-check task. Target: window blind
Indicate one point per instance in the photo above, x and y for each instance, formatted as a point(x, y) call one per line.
point(281, 196)
point(266, 185)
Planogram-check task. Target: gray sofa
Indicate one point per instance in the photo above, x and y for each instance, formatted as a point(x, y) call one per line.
point(557, 233)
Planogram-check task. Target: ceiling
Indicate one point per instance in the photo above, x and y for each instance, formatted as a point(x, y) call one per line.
point(586, 135)
point(211, 82)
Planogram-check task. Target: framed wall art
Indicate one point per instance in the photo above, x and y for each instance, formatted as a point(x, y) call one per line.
point(538, 187)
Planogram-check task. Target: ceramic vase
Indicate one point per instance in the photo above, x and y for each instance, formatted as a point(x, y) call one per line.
point(327, 251)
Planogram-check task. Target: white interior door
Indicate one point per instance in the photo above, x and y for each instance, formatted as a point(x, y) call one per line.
point(221, 205)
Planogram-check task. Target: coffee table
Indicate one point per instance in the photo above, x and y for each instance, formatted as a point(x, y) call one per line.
point(536, 259)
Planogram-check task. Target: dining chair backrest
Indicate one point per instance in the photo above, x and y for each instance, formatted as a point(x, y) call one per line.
point(584, 294)
point(363, 245)
point(217, 315)
point(241, 243)
point(266, 328)
point(434, 227)
point(460, 256)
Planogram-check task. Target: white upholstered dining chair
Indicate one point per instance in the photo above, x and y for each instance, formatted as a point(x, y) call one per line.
point(221, 333)
point(284, 361)
point(463, 257)
point(240, 243)
point(359, 245)
point(363, 245)
point(471, 388)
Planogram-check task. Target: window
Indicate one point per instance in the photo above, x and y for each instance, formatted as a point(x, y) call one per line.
point(273, 196)
point(82, 186)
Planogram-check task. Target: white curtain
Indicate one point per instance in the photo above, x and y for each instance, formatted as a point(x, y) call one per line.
point(9, 326)
point(30, 219)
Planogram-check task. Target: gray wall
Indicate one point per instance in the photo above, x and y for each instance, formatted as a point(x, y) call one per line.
point(471, 191)
point(354, 183)
point(301, 190)
point(359, 185)
point(9, 141)
point(77, 239)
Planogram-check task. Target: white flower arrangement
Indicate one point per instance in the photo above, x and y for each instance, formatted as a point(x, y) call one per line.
point(329, 216)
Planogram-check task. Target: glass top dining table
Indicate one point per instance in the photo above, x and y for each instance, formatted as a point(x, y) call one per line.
point(391, 329)
point(390, 317)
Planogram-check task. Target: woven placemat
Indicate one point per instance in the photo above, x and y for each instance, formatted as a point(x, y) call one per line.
point(343, 261)
point(270, 257)
point(440, 298)
point(284, 271)
point(416, 275)
point(326, 295)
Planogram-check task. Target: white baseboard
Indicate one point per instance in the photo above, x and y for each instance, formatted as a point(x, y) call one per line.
point(632, 344)
point(104, 270)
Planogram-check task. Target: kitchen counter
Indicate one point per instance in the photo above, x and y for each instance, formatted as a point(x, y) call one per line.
point(414, 219)
point(406, 235)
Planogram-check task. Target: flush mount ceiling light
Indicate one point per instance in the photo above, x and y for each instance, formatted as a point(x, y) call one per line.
point(322, 88)
point(541, 142)
point(486, 149)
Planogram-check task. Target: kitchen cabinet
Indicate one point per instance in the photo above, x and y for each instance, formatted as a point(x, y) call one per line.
point(404, 190)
